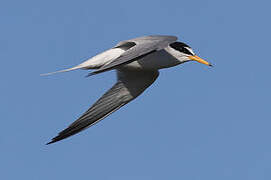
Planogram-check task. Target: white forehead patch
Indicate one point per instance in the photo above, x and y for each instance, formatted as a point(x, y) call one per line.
point(190, 50)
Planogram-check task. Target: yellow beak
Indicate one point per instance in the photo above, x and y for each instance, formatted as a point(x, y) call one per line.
point(196, 58)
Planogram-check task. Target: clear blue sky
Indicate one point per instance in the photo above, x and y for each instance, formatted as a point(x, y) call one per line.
point(194, 123)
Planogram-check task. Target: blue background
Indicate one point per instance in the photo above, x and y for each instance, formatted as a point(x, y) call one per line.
point(194, 122)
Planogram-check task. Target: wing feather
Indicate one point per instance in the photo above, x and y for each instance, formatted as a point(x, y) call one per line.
point(128, 87)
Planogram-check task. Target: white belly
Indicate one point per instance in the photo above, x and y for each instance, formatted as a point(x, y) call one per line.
point(158, 60)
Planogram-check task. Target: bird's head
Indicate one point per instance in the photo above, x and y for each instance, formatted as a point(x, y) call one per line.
point(184, 53)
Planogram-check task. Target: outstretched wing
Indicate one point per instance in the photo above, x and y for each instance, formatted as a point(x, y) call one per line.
point(142, 47)
point(130, 84)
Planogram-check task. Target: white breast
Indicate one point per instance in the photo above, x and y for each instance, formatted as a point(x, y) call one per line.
point(158, 60)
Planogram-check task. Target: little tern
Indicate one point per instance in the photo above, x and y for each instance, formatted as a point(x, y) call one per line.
point(137, 62)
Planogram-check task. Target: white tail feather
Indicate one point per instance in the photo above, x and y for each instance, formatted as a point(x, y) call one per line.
point(64, 70)
point(95, 62)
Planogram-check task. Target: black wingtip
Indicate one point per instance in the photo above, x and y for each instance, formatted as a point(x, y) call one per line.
point(97, 72)
point(90, 74)
point(51, 142)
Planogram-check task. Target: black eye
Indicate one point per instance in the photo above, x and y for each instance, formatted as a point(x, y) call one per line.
point(179, 46)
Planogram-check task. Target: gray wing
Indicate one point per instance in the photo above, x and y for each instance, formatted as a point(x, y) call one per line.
point(138, 48)
point(130, 84)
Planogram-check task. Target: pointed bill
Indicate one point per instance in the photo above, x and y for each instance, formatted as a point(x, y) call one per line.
point(198, 59)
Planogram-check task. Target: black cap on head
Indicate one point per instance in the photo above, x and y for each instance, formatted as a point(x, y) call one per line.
point(182, 47)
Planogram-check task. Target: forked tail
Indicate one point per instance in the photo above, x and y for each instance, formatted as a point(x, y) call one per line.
point(64, 70)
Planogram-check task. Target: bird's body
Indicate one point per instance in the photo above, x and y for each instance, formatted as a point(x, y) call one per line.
point(137, 62)
point(157, 60)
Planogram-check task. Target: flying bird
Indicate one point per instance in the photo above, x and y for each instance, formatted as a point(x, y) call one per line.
point(137, 62)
